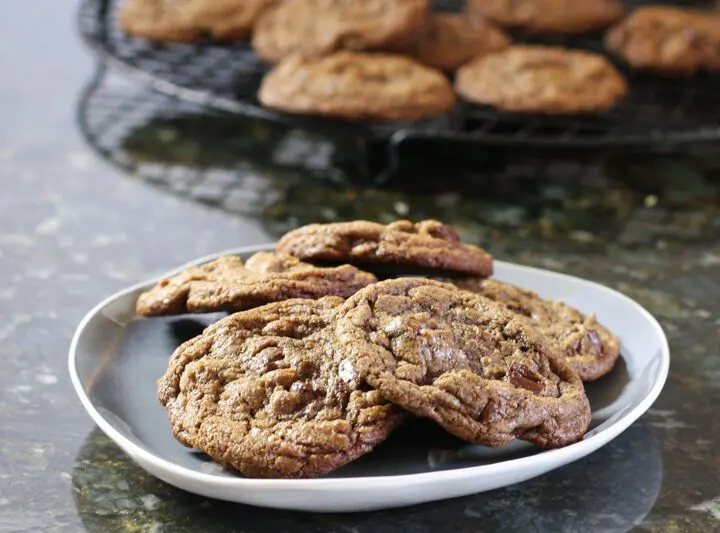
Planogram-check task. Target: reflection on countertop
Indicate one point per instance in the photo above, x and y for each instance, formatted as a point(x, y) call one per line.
point(611, 490)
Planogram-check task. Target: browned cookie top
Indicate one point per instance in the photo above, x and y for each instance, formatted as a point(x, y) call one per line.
point(542, 79)
point(357, 86)
point(400, 247)
point(549, 16)
point(190, 20)
point(451, 40)
point(269, 392)
point(668, 39)
point(228, 284)
point(482, 372)
point(319, 27)
point(589, 347)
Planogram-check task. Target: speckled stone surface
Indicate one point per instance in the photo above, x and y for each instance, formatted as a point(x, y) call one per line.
point(74, 229)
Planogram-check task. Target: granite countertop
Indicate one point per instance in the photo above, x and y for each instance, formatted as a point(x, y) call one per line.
point(85, 212)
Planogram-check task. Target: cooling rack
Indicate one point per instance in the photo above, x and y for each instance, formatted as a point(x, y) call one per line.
point(657, 111)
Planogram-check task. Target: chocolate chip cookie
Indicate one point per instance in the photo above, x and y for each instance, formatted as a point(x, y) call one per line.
point(229, 284)
point(668, 39)
point(448, 41)
point(542, 79)
point(401, 247)
point(320, 27)
point(269, 393)
point(482, 372)
point(357, 86)
point(561, 17)
point(588, 346)
point(189, 21)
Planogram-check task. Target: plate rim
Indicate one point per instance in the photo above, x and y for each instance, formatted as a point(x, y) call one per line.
point(563, 455)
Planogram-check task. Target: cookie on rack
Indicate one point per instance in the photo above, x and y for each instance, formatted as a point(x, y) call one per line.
point(270, 393)
point(229, 284)
point(357, 86)
point(558, 17)
point(590, 348)
point(320, 27)
point(402, 247)
point(482, 372)
point(669, 40)
point(449, 40)
point(189, 21)
point(543, 80)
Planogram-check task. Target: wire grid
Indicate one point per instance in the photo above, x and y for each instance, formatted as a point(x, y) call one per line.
point(284, 178)
point(214, 157)
point(657, 110)
point(241, 165)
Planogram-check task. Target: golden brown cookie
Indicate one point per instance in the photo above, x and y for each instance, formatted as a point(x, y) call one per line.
point(320, 27)
point(542, 79)
point(229, 284)
point(564, 17)
point(188, 21)
point(271, 393)
point(398, 248)
point(482, 372)
point(589, 347)
point(357, 86)
point(668, 40)
point(451, 40)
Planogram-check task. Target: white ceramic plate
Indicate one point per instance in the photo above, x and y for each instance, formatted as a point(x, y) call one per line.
point(116, 358)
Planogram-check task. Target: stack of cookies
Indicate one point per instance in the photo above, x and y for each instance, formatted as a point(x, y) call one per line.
point(320, 360)
point(381, 60)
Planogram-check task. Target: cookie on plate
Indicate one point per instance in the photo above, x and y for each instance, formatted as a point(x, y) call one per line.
point(270, 393)
point(482, 372)
point(229, 284)
point(559, 17)
point(400, 248)
point(320, 27)
point(189, 21)
point(357, 86)
point(450, 40)
point(542, 79)
point(668, 39)
point(589, 347)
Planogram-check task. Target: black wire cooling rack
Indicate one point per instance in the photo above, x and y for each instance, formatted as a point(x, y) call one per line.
point(657, 111)
point(285, 178)
point(174, 144)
